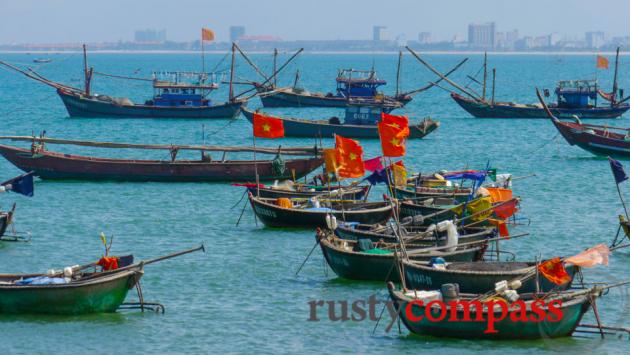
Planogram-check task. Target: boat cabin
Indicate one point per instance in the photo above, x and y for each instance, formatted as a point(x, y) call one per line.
point(363, 115)
point(574, 94)
point(176, 89)
point(358, 83)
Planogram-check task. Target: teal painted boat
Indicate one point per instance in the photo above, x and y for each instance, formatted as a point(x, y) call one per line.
point(573, 307)
point(350, 260)
point(98, 292)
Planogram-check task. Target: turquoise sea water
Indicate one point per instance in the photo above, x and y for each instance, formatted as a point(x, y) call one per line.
point(242, 295)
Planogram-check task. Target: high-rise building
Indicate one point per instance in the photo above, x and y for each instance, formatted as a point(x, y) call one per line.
point(595, 39)
point(481, 35)
point(424, 37)
point(379, 33)
point(150, 35)
point(236, 32)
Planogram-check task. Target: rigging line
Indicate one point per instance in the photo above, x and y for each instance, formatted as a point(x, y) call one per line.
point(220, 62)
point(220, 128)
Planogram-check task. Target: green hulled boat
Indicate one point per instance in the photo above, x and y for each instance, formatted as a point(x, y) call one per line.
point(97, 292)
point(351, 260)
point(573, 307)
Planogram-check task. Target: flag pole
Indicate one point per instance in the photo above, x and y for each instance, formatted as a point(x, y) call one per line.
point(203, 56)
point(617, 169)
point(256, 169)
point(622, 201)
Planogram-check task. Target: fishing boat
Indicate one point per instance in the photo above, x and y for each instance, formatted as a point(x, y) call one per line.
point(480, 276)
point(76, 289)
point(5, 221)
point(42, 60)
point(367, 260)
point(573, 305)
point(598, 139)
point(423, 235)
point(360, 122)
point(454, 193)
point(573, 98)
point(55, 165)
point(290, 189)
point(354, 87)
point(311, 213)
point(176, 94)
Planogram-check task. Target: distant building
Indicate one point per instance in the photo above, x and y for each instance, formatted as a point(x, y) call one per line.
point(524, 43)
point(424, 37)
point(481, 36)
point(595, 39)
point(150, 36)
point(379, 33)
point(554, 39)
point(236, 32)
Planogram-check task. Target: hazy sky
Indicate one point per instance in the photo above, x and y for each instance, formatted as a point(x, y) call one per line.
point(45, 21)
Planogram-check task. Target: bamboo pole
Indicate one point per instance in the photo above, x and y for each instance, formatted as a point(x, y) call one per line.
point(494, 74)
point(432, 84)
point(614, 89)
point(485, 74)
point(231, 91)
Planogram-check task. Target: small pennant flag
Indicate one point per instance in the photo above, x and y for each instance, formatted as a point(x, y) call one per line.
point(602, 62)
point(207, 34)
point(617, 170)
point(22, 184)
point(268, 127)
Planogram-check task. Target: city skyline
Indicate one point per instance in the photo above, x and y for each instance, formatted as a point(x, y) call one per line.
point(75, 22)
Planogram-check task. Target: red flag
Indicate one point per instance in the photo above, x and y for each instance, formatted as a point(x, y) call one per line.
point(554, 271)
point(400, 122)
point(392, 139)
point(373, 164)
point(507, 209)
point(349, 158)
point(268, 127)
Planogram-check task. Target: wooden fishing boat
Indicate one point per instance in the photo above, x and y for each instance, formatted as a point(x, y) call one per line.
point(457, 194)
point(573, 98)
point(5, 221)
point(480, 276)
point(53, 165)
point(42, 60)
point(98, 292)
point(304, 214)
point(573, 306)
point(432, 210)
point(176, 95)
point(349, 261)
point(351, 192)
point(77, 289)
point(360, 122)
point(419, 235)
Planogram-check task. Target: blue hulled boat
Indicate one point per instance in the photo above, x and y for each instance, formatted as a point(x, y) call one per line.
point(359, 122)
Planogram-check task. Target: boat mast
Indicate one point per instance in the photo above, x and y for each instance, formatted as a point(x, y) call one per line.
point(398, 73)
point(231, 94)
point(203, 54)
point(297, 78)
point(86, 72)
point(485, 74)
point(494, 75)
point(275, 59)
point(614, 89)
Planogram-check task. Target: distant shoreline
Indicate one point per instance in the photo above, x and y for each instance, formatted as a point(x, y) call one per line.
point(573, 53)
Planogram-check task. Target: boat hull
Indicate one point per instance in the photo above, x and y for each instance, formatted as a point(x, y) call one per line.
point(354, 193)
point(102, 295)
point(79, 106)
point(476, 235)
point(424, 277)
point(308, 128)
point(276, 216)
point(503, 110)
point(596, 144)
point(50, 165)
point(572, 310)
point(284, 98)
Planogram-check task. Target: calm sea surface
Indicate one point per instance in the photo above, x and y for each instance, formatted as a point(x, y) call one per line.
point(242, 295)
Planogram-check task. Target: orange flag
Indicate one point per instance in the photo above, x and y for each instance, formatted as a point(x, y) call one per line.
point(392, 139)
point(330, 160)
point(507, 209)
point(602, 62)
point(401, 122)
point(349, 158)
point(207, 34)
point(590, 257)
point(268, 127)
point(554, 271)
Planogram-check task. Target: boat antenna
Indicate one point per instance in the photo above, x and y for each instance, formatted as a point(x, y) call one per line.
point(398, 73)
point(614, 89)
point(485, 75)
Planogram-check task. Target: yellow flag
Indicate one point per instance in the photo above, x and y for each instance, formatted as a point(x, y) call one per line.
point(475, 206)
point(330, 160)
point(207, 34)
point(400, 175)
